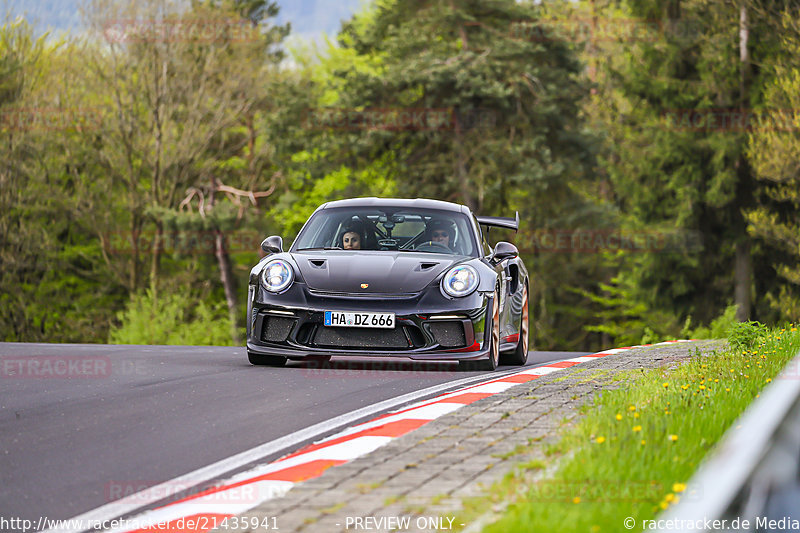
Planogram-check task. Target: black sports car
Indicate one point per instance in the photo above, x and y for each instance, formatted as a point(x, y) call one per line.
point(387, 277)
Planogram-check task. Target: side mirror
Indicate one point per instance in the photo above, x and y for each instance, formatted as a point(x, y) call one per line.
point(504, 250)
point(272, 245)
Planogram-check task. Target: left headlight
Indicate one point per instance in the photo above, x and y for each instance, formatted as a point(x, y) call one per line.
point(277, 275)
point(460, 281)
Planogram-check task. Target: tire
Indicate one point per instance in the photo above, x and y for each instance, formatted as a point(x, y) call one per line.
point(265, 360)
point(494, 346)
point(520, 354)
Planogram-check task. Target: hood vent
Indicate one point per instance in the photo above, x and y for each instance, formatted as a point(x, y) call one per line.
point(317, 263)
point(426, 266)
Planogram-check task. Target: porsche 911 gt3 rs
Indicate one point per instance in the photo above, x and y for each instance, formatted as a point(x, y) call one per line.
point(389, 277)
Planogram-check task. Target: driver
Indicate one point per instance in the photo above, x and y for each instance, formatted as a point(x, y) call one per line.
point(441, 232)
point(352, 237)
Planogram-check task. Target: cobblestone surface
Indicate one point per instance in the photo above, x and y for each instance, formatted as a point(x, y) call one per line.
point(424, 475)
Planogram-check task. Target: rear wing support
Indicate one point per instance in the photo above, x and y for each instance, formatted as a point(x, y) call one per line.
point(500, 222)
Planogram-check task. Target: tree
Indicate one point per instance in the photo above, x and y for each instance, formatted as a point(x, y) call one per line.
point(774, 152)
point(181, 88)
point(674, 164)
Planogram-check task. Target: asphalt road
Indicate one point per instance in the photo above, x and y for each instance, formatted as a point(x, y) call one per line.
point(82, 424)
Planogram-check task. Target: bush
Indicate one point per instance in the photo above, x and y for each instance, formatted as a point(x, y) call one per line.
point(717, 330)
point(743, 335)
point(171, 319)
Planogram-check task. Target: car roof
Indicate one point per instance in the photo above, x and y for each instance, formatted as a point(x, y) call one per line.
point(421, 203)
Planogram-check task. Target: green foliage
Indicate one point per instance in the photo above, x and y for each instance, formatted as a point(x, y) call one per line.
point(774, 152)
point(171, 318)
point(717, 330)
point(668, 177)
point(626, 320)
point(572, 134)
point(744, 335)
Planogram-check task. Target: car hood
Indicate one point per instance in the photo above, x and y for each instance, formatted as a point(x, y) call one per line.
point(372, 272)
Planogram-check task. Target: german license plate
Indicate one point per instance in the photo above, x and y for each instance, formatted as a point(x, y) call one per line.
point(359, 320)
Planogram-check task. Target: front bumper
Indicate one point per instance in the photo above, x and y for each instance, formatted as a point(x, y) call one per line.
point(428, 325)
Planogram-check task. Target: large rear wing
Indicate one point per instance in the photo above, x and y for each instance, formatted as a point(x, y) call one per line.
point(500, 222)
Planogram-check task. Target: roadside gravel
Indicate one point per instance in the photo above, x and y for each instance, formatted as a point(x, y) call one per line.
point(421, 478)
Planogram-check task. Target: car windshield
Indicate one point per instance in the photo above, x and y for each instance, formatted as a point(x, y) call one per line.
point(388, 229)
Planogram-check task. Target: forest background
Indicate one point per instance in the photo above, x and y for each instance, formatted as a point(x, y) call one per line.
point(652, 149)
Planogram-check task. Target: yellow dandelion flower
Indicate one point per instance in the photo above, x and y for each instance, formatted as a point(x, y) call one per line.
point(702, 387)
point(716, 381)
point(637, 429)
point(619, 416)
point(576, 499)
point(666, 384)
point(669, 497)
point(643, 442)
point(600, 440)
point(673, 438)
point(769, 380)
point(793, 329)
point(684, 387)
point(727, 389)
point(663, 505)
point(632, 408)
point(678, 487)
point(635, 415)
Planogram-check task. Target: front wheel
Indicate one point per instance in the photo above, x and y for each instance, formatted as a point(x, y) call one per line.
point(265, 360)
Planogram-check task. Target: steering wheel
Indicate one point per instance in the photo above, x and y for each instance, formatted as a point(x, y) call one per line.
point(431, 246)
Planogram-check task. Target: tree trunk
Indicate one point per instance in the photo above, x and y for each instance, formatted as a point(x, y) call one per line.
point(225, 270)
point(743, 262)
point(156, 259)
point(226, 276)
point(742, 279)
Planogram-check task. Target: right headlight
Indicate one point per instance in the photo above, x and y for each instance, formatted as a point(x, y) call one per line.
point(277, 275)
point(460, 281)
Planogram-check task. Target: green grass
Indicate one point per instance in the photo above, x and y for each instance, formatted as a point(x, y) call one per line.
point(636, 448)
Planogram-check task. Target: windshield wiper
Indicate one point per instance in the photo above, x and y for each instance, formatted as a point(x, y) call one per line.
point(320, 248)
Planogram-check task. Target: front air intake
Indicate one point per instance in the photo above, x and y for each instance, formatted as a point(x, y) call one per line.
point(448, 334)
point(276, 328)
point(386, 339)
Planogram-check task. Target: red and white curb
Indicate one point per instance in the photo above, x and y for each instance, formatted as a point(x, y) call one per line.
point(202, 511)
